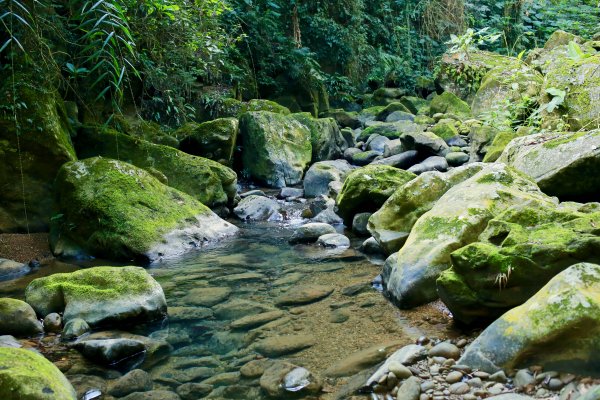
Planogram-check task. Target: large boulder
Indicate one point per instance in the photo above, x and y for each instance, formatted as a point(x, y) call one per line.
point(26, 375)
point(558, 328)
point(115, 210)
point(563, 164)
point(99, 295)
point(32, 154)
point(277, 148)
point(367, 188)
point(232, 108)
point(392, 223)
point(456, 219)
point(555, 50)
point(325, 137)
point(18, 318)
point(449, 103)
point(208, 181)
point(214, 140)
point(519, 251)
point(321, 175)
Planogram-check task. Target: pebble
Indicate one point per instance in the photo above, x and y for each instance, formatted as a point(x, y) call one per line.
point(499, 376)
point(454, 377)
point(53, 323)
point(410, 389)
point(481, 374)
point(475, 382)
point(523, 378)
point(555, 384)
point(445, 350)
point(399, 370)
point(459, 388)
point(427, 385)
point(496, 389)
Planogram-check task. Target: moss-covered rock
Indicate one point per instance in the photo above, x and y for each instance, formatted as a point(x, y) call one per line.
point(367, 188)
point(26, 375)
point(232, 108)
point(481, 138)
point(115, 210)
point(149, 131)
point(214, 140)
point(18, 318)
point(456, 219)
point(445, 129)
point(99, 295)
point(32, 154)
point(555, 50)
point(563, 164)
point(416, 105)
point(501, 140)
point(392, 223)
point(276, 148)
point(345, 119)
point(519, 251)
point(384, 96)
point(449, 103)
point(325, 137)
point(208, 181)
point(390, 108)
point(559, 328)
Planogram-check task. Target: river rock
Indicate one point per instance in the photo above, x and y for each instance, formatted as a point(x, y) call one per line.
point(392, 223)
point(519, 252)
point(371, 246)
point(303, 295)
point(410, 389)
point(152, 395)
point(326, 139)
point(328, 216)
point(11, 269)
point(404, 160)
point(99, 295)
point(214, 140)
point(290, 193)
point(359, 224)
point(333, 240)
point(9, 341)
point(207, 297)
point(377, 143)
point(109, 351)
point(131, 215)
point(276, 148)
point(457, 158)
point(277, 346)
point(449, 103)
point(25, 374)
point(426, 143)
point(367, 188)
point(192, 391)
point(238, 308)
point(309, 233)
point(365, 157)
point(75, 328)
point(284, 380)
point(559, 162)
point(551, 320)
point(434, 163)
point(134, 381)
point(207, 181)
point(456, 219)
point(446, 350)
point(361, 360)
point(396, 363)
point(257, 208)
point(252, 321)
point(52, 323)
point(18, 318)
point(320, 175)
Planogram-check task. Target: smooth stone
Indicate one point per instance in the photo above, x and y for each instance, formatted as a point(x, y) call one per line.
point(10, 269)
point(53, 323)
point(361, 360)
point(459, 388)
point(18, 318)
point(511, 396)
point(446, 350)
point(457, 158)
point(180, 314)
point(257, 208)
point(333, 241)
point(523, 378)
point(410, 389)
point(223, 379)
point(238, 308)
point(109, 351)
point(310, 233)
point(255, 192)
point(10, 341)
point(454, 376)
point(193, 391)
point(134, 381)
point(75, 328)
point(399, 370)
point(276, 380)
point(359, 224)
point(255, 368)
point(475, 382)
point(434, 163)
point(404, 160)
point(499, 377)
point(371, 246)
point(252, 321)
point(152, 395)
point(281, 345)
point(303, 295)
point(288, 192)
point(207, 297)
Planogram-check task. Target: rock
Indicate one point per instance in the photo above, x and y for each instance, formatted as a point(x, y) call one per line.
point(365, 157)
point(207, 297)
point(234, 108)
point(333, 240)
point(152, 395)
point(459, 388)
point(392, 224)
point(11, 269)
point(457, 158)
point(481, 139)
point(252, 321)
point(399, 116)
point(99, 295)
point(377, 143)
point(283, 380)
point(277, 346)
point(223, 379)
point(214, 140)
point(205, 180)
point(434, 163)
point(109, 351)
point(551, 320)
point(361, 360)
point(238, 308)
point(446, 350)
point(183, 314)
point(350, 152)
point(75, 328)
point(53, 323)
point(501, 140)
point(448, 103)
point(454, 376)
point(326, 139)
point(426, 143)
point(403, 160)
point(359, 224)
point(255, 368)
point(309, 233)
point(9, 341)
point(523, 378)
point(392, 148)
point(366, 189)
point(558, 162)
point(321, 174)
point(510, 396)
point(255, 192)
point(344, 119)
point(445, 129)
point(396, 363)
point(410, 389)
point(288, 193)
point(328, 216)
point(43, 136)
point(371, 246)
point(518, 253)
point(499, 377)
point(27, 375)
point(18, 318)
point(456, 220)
point(193, 391)
point(592, 394)
point(131, 215)
point(276, 148)
point(303, 295)
point(134, 381)
point(257, 208)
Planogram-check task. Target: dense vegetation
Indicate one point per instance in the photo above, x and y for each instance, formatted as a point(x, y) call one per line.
point(167, 59)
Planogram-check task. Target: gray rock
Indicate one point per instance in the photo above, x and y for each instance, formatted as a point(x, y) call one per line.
point(152, 395)
point(410, 389)
point(207, 297)
point(523, 378)
point(427, 143)
point(252, 321)
point(396, 362)
point(193, 391)
point(333, 240)
point(454, 376)
point(303, 295)
point(18, 318)
point(255, 192)
point(392, 148)
point(459, 388)
point(400, 116)
point(365, 157)
point(238, 308)
point(457, 158)
point(371, 246)
point(134, 381)
point(9, 341)
point(350, 152)
point(434, 163)
point(592, 394)
point(403, 160)
point(377, 143)
point(288, 192)
point(511, 396)
point(11, 269)
point(282, 379)
point(257, 208)
point(180, 314)
point(499, 377)
point(446, 350)
point(309, 233)
point(321, 174)
point(109, 351)
point(328, 216)
point(359, 223)
point(53, 323)
point(457, 141)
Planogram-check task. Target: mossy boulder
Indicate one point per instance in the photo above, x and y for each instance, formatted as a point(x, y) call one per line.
point(214, 140)
point(26, 375)
point(207, 181)
point(505, 87)
point(367, 188)
point(445, 129)
point(392, 223)
point(555, 50)
point(18, 318)
point(391, 108)
point(581, 82)
point(232, 108)
point(558, 328)
point(449, 103)
point(149, 131)
point(519, 251)
point(114, 210)
point(99, 295)
point(345, 119)
point(456, 220)
point(391, 130)
point(565, 165)
point(501, 140)
point(461, 73)
point(416, 105)
point(481, 138)
point(325, 137)
point(384, 96)
point(32, 154)
point(276, 148)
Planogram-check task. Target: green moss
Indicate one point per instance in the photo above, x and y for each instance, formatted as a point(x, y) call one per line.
point(214, 140)
point(501, 140)
point(389, 130)
point(25, 375)
point(445, 130)
point(436, 226)
point(567, 138)
point(390, 108)
point(448, 103)
point(325, 136)
point(497, 177)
